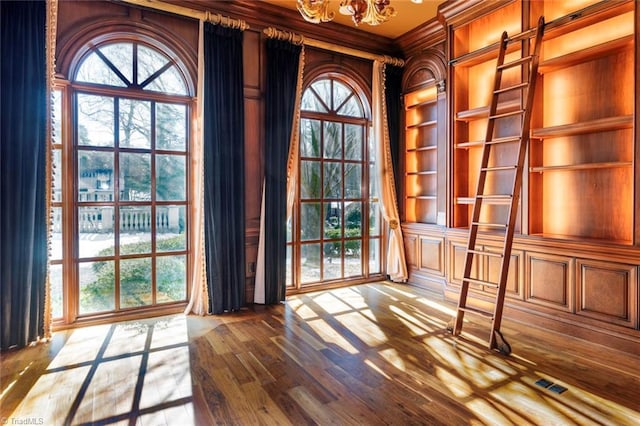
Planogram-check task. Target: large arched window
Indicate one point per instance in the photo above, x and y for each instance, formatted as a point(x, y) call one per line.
point(123, 194)
point(336, 232)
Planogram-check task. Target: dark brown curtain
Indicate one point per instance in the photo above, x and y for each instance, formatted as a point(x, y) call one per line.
point(23, 216)
point(224, 206)
point(393, 93)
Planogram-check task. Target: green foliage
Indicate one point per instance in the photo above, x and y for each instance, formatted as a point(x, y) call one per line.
point(135, 277)
point(352, 247)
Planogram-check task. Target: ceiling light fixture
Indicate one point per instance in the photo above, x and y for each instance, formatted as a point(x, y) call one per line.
point(372, 12)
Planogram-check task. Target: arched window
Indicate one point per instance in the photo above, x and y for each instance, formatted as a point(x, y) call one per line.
point(129, 109)
point(336, 233)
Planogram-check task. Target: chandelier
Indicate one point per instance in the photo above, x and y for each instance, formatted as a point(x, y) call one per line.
point(372, 12)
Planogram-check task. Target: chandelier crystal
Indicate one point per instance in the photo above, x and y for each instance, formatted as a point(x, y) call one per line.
point(372, 12)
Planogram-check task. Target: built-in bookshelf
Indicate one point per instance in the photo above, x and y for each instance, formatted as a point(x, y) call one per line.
point(581, 153)
point(421, 155)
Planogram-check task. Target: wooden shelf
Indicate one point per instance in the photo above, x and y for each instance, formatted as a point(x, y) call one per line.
point(585, 17)
point(585, 55)
point(483, 111)
point(423, 103)
point(423, 148)
point(471, 144)
point(422, 173)
point(585, 166)
point(421, 197)
point(593, 126)
point(422, 124)
point(465, 200)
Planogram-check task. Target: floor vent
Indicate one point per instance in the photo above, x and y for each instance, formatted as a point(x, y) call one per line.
point(551, 386)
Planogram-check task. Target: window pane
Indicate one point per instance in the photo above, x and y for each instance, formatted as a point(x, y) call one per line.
point(323, 89)
point(374, 256)
point(310, 221)
point(332, 220)
point(352, 108)
point(135, 177)
point(149, 61)
point(353, 180)
point(310, 263)
point(332, 260)
point(55, 251)
point(353, 142)
point(171, 130)
point(170, 81)
point(57, 175)
point(340, 93)
point(56, 121)
point(95, 231)
point(171, 276)
point(374, 219)
point(135, 123)
point(332, 180)
point(310, 180)
point(95, 176)
point(135, 229)
point(373, 181)
point(352, 258)
point(97, 286)
point(121, 56)
point(55, 290)
point(171, 228)
point(95, 120)
point(135, 282)
point(310, 140)
point(310, 102)
point(170, 178)
point(353, 219)
point(95, 70)
point(332, 140)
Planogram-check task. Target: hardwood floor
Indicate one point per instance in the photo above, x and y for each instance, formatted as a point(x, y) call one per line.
point(368, 355)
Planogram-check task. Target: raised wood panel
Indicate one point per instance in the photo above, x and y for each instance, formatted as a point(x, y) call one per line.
point(432, 255)
point(251, 59)
point(253, 170)
point(411, 250)
point(514, 277)
point(457, 253)
point(607, 291)
point(549, 279)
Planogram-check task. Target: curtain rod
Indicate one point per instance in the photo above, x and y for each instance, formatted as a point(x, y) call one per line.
point(300, 39)
point(206, 16)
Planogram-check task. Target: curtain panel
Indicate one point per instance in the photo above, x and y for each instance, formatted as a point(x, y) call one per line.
point(23, 164)
point(224, 201)
point(283, 84)
point(396, 261)
point(392, 93)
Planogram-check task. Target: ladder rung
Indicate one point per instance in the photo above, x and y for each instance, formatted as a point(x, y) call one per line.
point(510, 88)
point(496, 198)
point(507, 114)
point(489, 224)
point(481, 282)
point(516, 62)
point(485, 253)
point(497, 168)
point(508, 139)
point(478, 312)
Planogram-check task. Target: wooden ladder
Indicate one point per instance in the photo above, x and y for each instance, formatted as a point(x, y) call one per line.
point(482, 199)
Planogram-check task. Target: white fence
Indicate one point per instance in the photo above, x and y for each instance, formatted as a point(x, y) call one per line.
point(132, 220)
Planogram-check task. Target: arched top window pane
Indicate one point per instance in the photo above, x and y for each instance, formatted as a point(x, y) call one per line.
point(121, 56)
point(113, 64)
point(95, 70)
point(332, 96)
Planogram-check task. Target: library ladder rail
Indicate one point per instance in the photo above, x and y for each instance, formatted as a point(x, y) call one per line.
point(483, 200)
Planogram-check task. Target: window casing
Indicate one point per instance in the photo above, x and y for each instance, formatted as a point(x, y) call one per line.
point(121, 183)
point(335, 232)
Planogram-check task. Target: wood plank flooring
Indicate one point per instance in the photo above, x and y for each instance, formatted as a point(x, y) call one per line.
point(374, 354)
